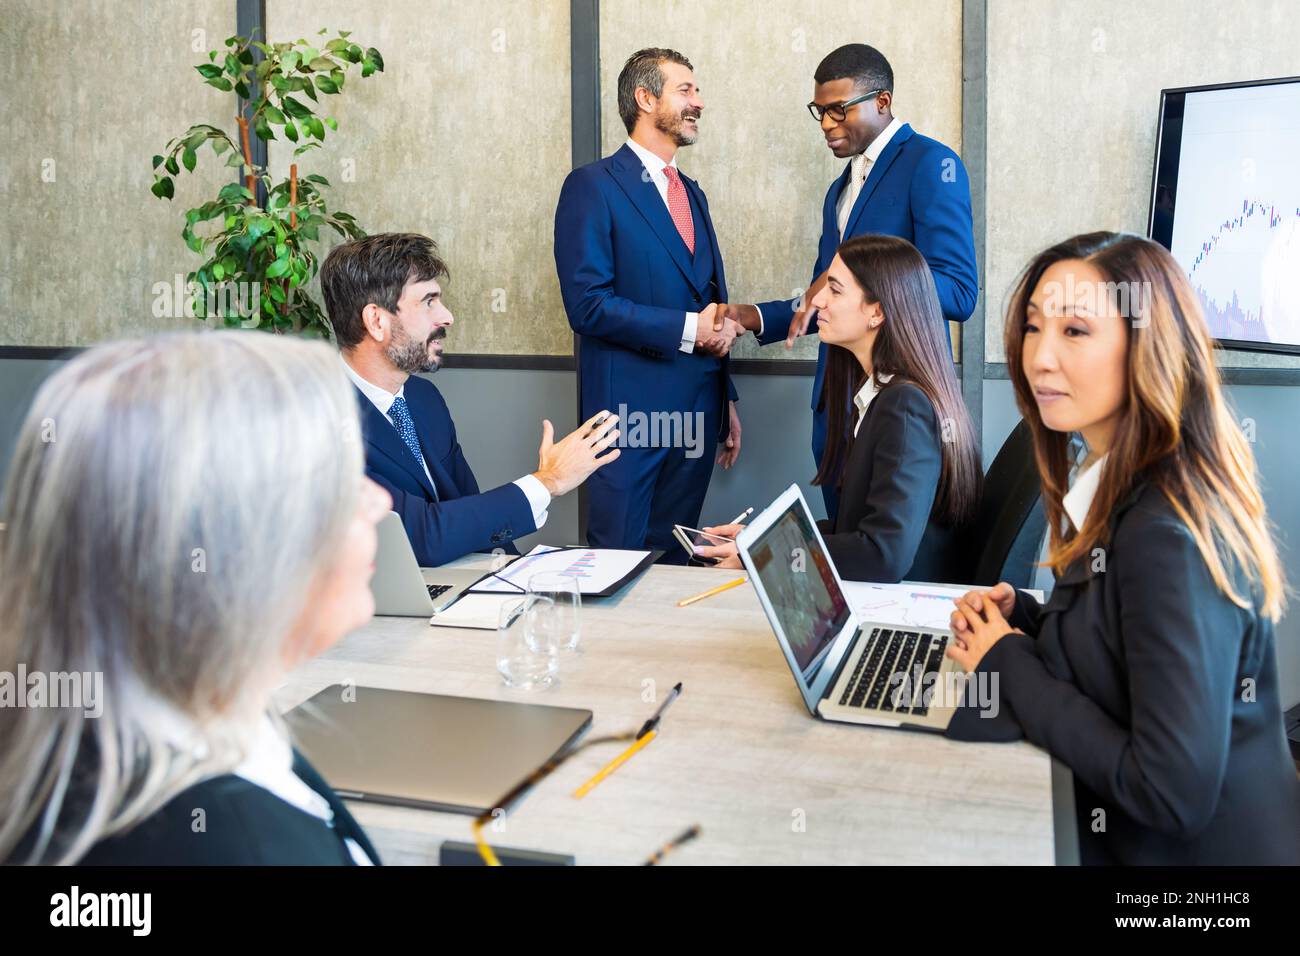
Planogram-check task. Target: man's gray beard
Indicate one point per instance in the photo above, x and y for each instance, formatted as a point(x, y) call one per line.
point(409, 356)
point(675, 130)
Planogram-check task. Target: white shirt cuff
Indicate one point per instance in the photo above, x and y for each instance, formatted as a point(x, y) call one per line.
point(762, 322)
point(688, 332)
point(539, 499)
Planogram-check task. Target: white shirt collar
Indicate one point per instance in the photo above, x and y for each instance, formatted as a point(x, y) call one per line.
point(1078, 500)
point(379, 396)
point(865, 394)
point(653, 164)
point(878, 144)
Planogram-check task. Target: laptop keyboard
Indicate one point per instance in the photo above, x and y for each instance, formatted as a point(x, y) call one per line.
point(437, 590)
point(910, 655)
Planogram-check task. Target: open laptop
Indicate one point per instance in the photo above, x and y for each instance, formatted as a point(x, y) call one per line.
point(398, 584)
point(852, 671)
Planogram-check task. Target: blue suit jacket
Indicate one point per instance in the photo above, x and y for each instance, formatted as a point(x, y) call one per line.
point(627, 281)
point(458, 519)
point(917, 190)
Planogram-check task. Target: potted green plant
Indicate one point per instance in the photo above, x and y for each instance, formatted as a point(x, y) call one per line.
point(260, 246)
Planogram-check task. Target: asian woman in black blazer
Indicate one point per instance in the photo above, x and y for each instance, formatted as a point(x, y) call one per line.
point(900, 446)
point(201, 526)
point(1151, 670)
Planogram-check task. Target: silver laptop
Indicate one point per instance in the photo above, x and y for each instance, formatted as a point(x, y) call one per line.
point(398, 584)
point(457, 754)
point(852, 671)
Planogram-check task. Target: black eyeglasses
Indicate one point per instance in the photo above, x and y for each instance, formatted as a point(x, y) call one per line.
point(839, 110)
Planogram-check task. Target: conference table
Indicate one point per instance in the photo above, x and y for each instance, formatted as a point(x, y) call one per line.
point(738, 754)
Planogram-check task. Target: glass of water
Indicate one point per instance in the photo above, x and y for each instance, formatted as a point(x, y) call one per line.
point(565, 617)
point(527, 655)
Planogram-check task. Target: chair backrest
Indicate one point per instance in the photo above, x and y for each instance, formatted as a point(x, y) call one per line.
point(1006, 536)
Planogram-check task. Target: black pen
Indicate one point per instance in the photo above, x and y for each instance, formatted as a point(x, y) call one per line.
point(653, 722)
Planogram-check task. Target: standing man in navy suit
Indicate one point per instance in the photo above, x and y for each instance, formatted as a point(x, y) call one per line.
point(896, 182)
point(641, 276)
point(385, 305)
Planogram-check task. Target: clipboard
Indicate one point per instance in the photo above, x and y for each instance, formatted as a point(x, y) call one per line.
point(650, 558)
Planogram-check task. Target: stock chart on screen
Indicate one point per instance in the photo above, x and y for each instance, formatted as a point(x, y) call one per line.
point(1226, 203)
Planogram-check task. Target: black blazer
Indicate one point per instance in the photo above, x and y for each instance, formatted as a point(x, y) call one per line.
point(1160, 694)
point(884, 531)
point(244, 825)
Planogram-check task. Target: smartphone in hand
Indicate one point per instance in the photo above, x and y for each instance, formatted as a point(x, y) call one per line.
point(689, 538)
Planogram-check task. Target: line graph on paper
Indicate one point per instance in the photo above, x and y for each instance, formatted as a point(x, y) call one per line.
point(903, 605)
point(1236, 228)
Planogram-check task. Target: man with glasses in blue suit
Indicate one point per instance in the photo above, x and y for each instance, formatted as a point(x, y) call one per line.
point(896, 182)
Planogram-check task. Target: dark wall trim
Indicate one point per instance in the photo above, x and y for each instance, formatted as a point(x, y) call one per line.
point(36, 353)
point(974, 154)
point(1230, 376)
point(531, 363)
point(804, 367)
point(584, 131)
point(250, 21)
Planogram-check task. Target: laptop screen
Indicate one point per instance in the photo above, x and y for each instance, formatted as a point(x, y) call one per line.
point(797, 576)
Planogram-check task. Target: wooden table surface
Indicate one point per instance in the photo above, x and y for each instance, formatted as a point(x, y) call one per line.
point(738, 753)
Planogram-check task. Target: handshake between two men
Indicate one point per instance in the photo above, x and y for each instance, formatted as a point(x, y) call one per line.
point(722, 323)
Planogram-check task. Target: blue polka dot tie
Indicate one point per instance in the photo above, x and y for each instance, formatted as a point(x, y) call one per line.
point(401, 416)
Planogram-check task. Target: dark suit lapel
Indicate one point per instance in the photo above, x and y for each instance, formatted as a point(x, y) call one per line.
point(878, 170)
point(830, 224)
point(627, 171)
point(696, 196)
point(383, 438)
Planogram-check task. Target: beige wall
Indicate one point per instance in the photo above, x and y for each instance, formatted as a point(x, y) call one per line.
point(760, 158)
point(465, 137)
point(1074, 96)
point(92, 91)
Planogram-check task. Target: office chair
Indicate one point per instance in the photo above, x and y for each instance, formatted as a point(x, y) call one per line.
point(1005, 538)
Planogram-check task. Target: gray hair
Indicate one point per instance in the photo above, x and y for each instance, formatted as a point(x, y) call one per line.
point(170, 507)
point(642, 70)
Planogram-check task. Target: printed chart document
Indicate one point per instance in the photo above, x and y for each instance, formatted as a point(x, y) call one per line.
point(908, 604)
point(600, 571)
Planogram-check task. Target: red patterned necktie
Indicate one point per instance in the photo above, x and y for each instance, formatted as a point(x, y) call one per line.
point(680, 208)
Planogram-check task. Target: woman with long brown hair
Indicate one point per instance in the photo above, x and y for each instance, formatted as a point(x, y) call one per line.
point(1151, 670)
point(905, 459)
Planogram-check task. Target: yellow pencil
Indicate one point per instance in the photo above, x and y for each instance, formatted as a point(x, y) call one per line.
point(712, 591)
point(614, 764)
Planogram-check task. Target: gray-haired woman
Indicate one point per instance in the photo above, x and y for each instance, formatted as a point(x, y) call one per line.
point(186, 521)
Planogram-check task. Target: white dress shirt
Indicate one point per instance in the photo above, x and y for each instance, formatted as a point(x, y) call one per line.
point(1078, 500)
point(654, 166)
point(539, 499)
point(860, 168)
point(269, 765)
point(865, 394)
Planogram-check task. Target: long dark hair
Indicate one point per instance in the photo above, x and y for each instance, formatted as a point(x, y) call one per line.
point(912, 346)
point(1175, 428)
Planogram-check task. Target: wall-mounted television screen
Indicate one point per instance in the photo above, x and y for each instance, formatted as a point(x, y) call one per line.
point(1225, 200)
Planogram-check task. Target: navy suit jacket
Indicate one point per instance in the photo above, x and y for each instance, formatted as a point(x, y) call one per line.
point(458, 519)
point(627, 281)
point(917, 190)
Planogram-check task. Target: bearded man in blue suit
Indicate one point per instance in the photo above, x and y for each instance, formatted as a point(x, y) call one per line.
point(641, 276)
point(384, 299)
point(898, 183)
